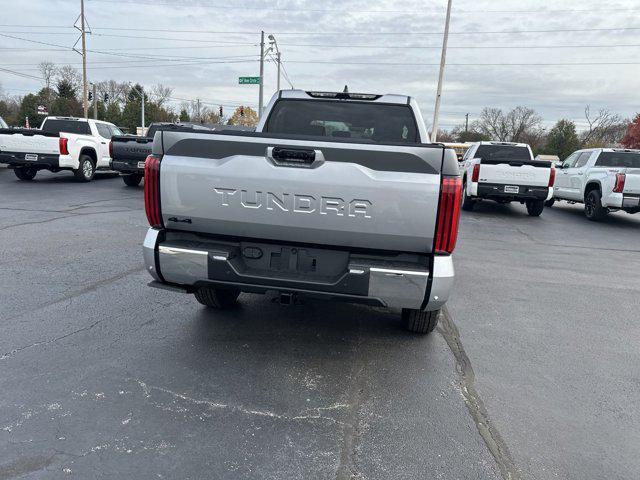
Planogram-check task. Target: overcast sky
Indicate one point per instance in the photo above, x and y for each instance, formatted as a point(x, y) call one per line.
point(378, 47)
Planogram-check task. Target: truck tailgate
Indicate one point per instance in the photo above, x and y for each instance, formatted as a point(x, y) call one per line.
point(632, 181)
point(16, 142)
point(131, 149)
point(535, 174)
point(351, 195)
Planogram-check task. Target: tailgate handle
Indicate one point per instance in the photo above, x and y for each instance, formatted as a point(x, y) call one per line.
point(293, 155)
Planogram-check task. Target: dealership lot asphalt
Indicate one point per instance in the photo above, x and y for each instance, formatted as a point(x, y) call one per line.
point(103, 377)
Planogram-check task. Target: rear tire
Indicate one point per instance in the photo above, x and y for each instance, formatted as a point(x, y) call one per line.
point(132, 180)
point(549, 203)
point(417, 321)
point(535, 207)
point(467, 202)
point(593, 208)
point(216, 297)
point(86, 169)
point(25, 173)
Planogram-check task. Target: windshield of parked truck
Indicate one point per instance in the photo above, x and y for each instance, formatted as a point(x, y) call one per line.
point(619, 160)
point(503, 152)
point(66, 126)
point(377, 122)
point(3, 124)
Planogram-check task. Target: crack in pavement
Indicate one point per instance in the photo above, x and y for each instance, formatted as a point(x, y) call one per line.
point(352, 430)
point(532, 239)
point(76, 293)
point(489, 432)
point(71, 215)
point(51, 340)
point(25, 465)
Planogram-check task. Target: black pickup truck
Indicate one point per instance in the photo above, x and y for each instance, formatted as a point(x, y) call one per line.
point(128, 153)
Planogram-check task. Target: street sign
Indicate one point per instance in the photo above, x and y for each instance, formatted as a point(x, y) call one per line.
point(42, 110)
point(249, 80)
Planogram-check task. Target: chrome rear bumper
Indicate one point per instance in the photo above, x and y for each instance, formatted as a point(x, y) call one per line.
point(370, 281)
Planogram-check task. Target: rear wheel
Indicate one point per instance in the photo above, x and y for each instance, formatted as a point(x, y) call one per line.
point(217, 297)
point(467, 202)
point(86, 169)
point(25, 173)
point(535, 207)
point(549, 203)
point(418, 321)
point(132, 180)
point(593, 208)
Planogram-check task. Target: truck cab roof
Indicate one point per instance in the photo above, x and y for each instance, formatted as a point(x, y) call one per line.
point(338, 96)
point(76, 119)
point(512, 144)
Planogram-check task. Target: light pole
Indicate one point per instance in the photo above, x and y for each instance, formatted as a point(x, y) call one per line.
point(274, 45)
point(261, 89)
point(436, 112)
point(141, 93)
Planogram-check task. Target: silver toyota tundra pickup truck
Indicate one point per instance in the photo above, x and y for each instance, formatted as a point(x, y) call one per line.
point(335, 196)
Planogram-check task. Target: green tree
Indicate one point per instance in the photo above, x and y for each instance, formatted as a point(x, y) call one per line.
point(29, 108)
point(562, 139)
point(184, 115)
point(112, 114)
point(153, 112)
point(66, 104)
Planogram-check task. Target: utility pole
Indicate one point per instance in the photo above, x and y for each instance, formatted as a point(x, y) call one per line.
point(466, 123)
point(261, 94)
point(95, 102)
point(85, 89)
point(278, 58)
point(198, 110)
point(436, 113)
point(142, 102)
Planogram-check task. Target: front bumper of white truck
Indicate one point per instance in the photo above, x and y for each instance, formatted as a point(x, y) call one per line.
point(188, 262)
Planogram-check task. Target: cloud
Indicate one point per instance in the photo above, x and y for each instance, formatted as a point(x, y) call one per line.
point(334, 31)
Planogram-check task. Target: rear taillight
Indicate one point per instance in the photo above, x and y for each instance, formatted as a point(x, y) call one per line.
point(475, 176)
point(620, 179)
point(552, 177)
point(110, 149)
point(448, 215)
point(152, 191)
point(64, 146)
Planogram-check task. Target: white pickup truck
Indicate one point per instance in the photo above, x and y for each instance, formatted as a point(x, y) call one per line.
point(604, 179)
point(506, 172)
point(61, 143)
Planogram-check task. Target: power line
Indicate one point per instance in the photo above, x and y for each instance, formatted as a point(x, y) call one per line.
point(360, 11)
point(20, 74)
point(308, 33)
point(459, 64)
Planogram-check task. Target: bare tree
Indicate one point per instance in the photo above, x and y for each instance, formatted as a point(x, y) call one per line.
point(513, 126)
point(604, 128)
point(161, 94)
point(69, 75)
point(523, 121)
point(116, 91)
point(48, 71)
point(492, 124)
